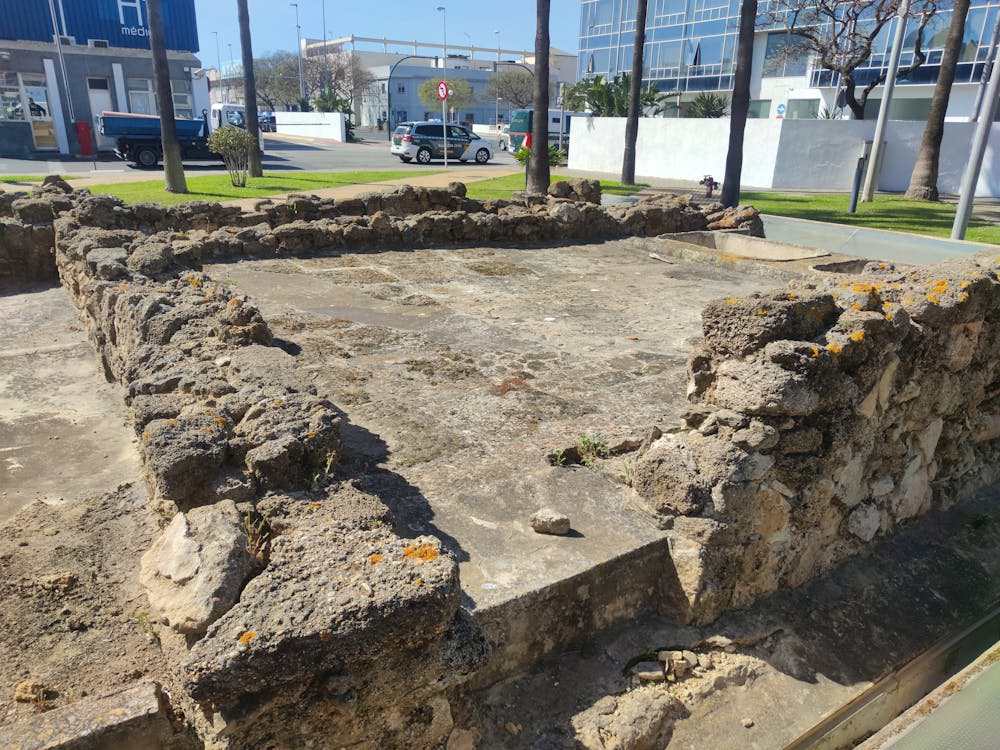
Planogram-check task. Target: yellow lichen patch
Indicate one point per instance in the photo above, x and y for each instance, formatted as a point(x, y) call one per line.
point(792, 297)
point(314, 506)
point(732, 300)
point(194, 281)
point(418, 581)
point(421, 553)
point(762, 312)
point(886, 305)
point(858, 336)
point(220, 421)
point(374, 559)
point(856, 306)
point(207, 430)
point(145, 437)
point(834, 348)
point(907, 300)
point(862, 288)
point(889, 316)
point(940, 286)
point(234, 302)
point(171, 423)
point(965, 285)
point(815, 351)
point(963, 297)
point(247, 637)
point(311, 434)
point(834, 295)
point(881, 266)
point(934, 299)
point(278, 402)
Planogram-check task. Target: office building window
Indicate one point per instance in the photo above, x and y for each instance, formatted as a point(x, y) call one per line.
point(140, 96)
point(182, 99)
point(784, 56)
point(11, 107)
point(760, 109)
point(400, 88)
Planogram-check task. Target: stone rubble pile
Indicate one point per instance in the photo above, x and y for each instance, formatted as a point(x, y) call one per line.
point(823, 415)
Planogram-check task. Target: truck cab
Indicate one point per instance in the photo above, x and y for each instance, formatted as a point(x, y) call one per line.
point(138, 138)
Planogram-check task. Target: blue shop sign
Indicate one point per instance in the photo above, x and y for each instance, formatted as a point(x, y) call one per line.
point(121, 23)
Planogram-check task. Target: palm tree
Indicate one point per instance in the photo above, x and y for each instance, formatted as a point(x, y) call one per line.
point(173, 167)
point(634, 95)
point(923, 180)
point(254, 168)
point(740, 105)
point(538, 162)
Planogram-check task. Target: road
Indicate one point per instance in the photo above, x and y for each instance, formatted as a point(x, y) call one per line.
point(280, 153)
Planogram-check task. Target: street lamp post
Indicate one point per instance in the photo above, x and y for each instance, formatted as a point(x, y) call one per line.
point(444, 77)
point(218, 54)
point(326, 53)
point(388, 92)
point(298, 51)
point(497, 32)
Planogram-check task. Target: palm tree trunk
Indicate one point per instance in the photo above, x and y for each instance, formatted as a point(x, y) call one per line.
point(635, 89)
point(740, 105)
point(538, 162)
point(923, 180)
point(173, 167)
point(254, 168)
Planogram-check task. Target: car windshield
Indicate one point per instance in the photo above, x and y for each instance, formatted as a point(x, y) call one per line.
point(402, 130)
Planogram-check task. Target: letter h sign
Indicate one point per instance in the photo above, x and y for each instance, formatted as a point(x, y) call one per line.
point(136, 4)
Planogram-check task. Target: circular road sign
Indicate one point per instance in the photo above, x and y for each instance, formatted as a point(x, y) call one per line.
point(781, 109)
point(442, 90)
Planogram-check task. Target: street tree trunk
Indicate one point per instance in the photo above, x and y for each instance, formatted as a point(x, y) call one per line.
point(254, 168)
point(173, 167)
point(634, 94)
point(538, 162)
point(923, 180)
point(740, 104)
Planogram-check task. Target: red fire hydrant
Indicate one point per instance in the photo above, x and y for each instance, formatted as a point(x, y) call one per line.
point(710, 184)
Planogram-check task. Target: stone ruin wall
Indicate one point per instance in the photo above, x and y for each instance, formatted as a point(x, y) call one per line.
point(822, 416)
point(231, 437)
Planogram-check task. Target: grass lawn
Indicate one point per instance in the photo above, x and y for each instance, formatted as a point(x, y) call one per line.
point(219, 188)
point(893, 212)
point(502, 187)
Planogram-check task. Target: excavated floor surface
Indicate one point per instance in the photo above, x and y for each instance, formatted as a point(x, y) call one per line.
point(461, 371)
point(63, 428)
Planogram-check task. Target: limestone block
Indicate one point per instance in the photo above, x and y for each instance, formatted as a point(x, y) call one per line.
point(927, 439)
point(195, 570)
point(763, 388)
point(913, 495)
point(757, 436)
point(864, 522)
point(668, 480)
point(738, 326)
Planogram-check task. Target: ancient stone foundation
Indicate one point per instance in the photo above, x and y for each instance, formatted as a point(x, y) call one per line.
point(822, 416)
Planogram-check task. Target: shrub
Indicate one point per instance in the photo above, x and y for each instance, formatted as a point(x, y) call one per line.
point(557, 157)
point(233, 145)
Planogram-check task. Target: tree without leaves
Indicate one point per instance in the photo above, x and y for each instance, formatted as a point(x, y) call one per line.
point(512, 86)
point(461, 95)
point(277, 78)
point(740, 106)
point(538, 163)
point(254, 168)
point(923, 180)
point(634, 95)
point(840, 36)
point(173, 167)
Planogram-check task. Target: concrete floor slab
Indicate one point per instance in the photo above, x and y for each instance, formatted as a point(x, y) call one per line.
point(63, 428)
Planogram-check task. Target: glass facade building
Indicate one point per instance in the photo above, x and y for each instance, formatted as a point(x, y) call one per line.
point(691, 47)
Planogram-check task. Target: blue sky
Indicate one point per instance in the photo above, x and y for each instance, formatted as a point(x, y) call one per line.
point(272, 23)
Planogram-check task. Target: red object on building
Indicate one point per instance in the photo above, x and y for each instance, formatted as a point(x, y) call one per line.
point(84, 135)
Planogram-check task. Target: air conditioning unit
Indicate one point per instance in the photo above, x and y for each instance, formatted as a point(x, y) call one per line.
point(66, 40)
point(99, 43)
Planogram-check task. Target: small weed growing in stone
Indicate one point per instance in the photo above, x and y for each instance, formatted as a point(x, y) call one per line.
point(258, 534)
point(320, 478)
point(591, 448)
point(141, 618)
point(559, 458)
point(629, 472)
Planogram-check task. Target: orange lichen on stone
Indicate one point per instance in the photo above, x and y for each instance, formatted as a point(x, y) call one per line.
point(194, 281)
point(421, 553)
point(762, 312)
point(234, 302)
point(171, 423)
point(278, 402)
point(934, 299)
point(792, 297)
point(324, 634)
point(858, 336)
point(314, 506)
point(939, 287)
point(732, 300)
point(965, 284)
point(815, 351)
point(220, 421)
point(963, 296)
point(834, 348)
point(886, 306)
point(374, 559)
point(145, 437)
point(247, 637)
point(862, 288)
point(856, 306)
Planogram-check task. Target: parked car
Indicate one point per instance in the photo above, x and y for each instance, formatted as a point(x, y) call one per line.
point(267, 122)
point(503, 138)
point(424, 141)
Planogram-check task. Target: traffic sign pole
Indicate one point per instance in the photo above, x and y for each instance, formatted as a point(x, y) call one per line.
point(443, 96)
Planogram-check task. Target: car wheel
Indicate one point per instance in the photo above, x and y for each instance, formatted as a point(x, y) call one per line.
point(407, 159)
point(424, 155)
point(482, 156)
point(146, 157)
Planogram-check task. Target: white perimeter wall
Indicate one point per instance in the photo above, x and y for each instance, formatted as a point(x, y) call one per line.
point(784, 154)
point(331, 125)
